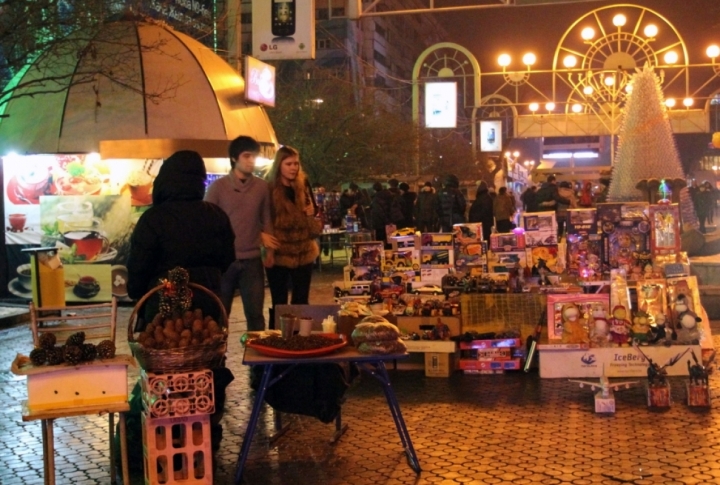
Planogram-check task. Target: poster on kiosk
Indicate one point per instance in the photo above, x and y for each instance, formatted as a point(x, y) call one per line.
point(283, 29)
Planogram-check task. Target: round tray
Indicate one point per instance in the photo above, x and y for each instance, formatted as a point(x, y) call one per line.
point(288, 354)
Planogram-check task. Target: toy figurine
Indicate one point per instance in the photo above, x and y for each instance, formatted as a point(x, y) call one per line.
point(441, 331)
point(600, 333)
point(658, 386)
point(686, 329)
point(641, 328)
point(619, 326)
point(698, 388)
point(658, 331)
point(574, 331)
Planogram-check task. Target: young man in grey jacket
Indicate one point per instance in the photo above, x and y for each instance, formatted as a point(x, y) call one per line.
point(246, 200)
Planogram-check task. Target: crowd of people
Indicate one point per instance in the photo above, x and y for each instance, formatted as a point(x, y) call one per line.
point(704, 197)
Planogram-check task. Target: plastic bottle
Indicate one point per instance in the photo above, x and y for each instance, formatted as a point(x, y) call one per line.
point(350, 223)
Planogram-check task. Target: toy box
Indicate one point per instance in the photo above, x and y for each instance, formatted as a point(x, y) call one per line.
point(439, 364)
point(429, 275)
point(434, 240)
point(400, 242)
point(664, 229)
point(442, 258)
point(503, 262)
point(511, 364)
point(585, 303)
point(549, 254)
point(369, 253)
point(467, 233)
point(402, 260)
point(361, 273)
point(507, 242)
point(540, 229)
point(626, 247)
point(584, 255)
point(582, 221)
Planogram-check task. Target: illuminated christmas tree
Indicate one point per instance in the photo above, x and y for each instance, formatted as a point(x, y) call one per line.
point(646, 147)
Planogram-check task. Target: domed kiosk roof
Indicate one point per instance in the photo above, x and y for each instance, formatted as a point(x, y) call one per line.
point(134, 90)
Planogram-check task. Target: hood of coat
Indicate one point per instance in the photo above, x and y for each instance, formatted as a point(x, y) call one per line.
point(181, 177)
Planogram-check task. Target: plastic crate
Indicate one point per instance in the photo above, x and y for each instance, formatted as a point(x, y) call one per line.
point(501, 312)
point(176, 395)
point(177, 450)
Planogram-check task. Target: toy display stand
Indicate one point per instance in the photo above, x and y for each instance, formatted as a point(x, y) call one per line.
point(698, 396)
point(659, 397)
point(605, 404)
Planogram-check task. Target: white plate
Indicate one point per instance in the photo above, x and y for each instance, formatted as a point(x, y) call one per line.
point(19, 290)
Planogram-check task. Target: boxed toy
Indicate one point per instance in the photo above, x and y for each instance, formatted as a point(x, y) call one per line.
point(503, 262)
point(549, 255)
point(434, 240)
point(402, 260)
point(437, 258)
point(584, 255)
point(569, 317)
point(582, 221)
point(540, 228)
point(625, 231)
point(467, 233)
point(361, 273)
point(369, 253)
point(510, 241)
point(664, 229)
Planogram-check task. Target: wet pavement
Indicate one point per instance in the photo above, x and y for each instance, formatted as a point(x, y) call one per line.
point(479, 429)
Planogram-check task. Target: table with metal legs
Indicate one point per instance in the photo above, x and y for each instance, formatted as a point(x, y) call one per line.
point(371, 364)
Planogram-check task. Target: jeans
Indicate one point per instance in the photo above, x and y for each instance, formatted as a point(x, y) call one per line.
point(246, 274)
point(279, 276)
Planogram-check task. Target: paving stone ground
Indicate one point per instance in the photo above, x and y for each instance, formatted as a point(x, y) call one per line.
point(503, 429)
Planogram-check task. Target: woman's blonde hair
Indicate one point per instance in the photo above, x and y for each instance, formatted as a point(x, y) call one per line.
point(299, 184)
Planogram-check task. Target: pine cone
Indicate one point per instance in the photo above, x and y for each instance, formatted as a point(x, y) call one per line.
point(72, 354)
point(76, 339)
point(89, 352)
point(47, 340)
point(55, 356)
point(38, 356)
point(106, 349)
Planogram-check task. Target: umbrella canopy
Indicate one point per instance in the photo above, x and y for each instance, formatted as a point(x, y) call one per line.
point(140, 88)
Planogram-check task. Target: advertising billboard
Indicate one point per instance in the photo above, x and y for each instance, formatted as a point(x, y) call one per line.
point(283, 29)
point(440, 105)
point(259, 82)
point(490, 136)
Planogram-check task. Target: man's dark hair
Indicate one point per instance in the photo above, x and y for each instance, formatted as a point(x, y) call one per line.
point(377, 187)
point(502, 191)
point(393, 183)
point(404, 186)
point(354, 186)
point(551, 178)
point(242, 144)
point(428, 184)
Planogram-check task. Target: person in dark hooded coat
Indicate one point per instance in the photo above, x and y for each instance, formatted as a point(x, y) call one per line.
point(452, 204)
point(180, 229)
point(481, 210)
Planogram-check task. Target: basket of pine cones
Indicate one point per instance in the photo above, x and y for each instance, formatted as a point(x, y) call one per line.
point(179, 338)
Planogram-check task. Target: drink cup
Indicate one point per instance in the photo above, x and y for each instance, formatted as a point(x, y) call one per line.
point(287, 325)
point(24, 276)
point(305, 326)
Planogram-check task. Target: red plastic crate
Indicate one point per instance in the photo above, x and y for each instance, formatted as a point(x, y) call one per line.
point(175, 395)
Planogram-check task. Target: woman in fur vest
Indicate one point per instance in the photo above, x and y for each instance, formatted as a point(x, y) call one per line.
point(296, 229)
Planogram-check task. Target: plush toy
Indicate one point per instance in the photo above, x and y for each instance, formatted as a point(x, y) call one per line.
point(659, 333)
point(619, 326)
point(641, 328)
point(687, 329)
point(574, 331)
point(600, 333)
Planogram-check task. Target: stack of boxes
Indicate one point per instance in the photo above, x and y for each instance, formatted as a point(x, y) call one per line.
point(176, 427)
point(470, 249)
point(507, 251)
point(541, 240)
point(366, 266)
point(437, 257)
point(492, 356)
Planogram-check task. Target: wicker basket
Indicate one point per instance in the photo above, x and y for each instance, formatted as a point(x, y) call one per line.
point(184, 359)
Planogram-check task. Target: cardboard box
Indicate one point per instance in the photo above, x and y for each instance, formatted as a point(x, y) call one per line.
point(440, 240)
point(467, 233)
point(473, 364)
point(616, 361)
point(507, 242)
point(664, 229)
point(433, 346)
point(442, 258)
point(503, 262)
point(540, 229)
point(432, 275)
point(439, 364)
point(402, 260)
point(489, 344)
point(408, 325)
point(582, 221)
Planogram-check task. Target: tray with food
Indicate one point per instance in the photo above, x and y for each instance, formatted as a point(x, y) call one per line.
point(298, 346)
